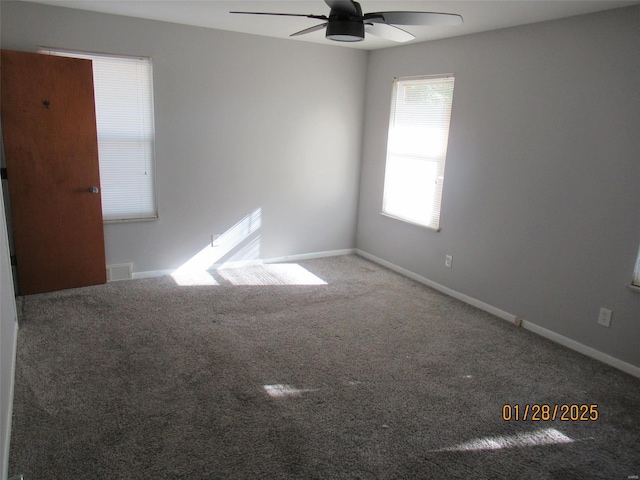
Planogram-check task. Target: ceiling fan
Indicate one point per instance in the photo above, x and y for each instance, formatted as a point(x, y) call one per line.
point(346, 23)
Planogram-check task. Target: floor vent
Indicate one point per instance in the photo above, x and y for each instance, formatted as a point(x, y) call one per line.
point(119, 271)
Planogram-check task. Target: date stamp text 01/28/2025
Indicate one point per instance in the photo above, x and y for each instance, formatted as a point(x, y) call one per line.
point(571, 412)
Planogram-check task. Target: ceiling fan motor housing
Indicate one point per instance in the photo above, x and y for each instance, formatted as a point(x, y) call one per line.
point(344, 26)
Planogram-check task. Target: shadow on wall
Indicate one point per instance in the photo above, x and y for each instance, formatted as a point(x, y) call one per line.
point(234, 258)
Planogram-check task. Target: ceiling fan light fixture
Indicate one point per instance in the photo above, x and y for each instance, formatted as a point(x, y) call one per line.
point(345, 31)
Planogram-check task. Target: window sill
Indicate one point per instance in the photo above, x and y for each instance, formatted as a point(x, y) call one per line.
point(421, 225)
point(131, 220)
point(635, 288)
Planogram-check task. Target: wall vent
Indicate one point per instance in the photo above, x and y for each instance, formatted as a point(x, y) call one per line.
point(119, 271)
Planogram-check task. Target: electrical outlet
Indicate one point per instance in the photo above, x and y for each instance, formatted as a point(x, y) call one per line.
point(604, 318)
point(448, 261)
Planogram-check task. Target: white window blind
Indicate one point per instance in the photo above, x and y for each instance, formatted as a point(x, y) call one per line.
point(123, 89)
point(417, 148)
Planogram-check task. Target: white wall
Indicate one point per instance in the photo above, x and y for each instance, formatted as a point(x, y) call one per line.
point(8, 334)
point(540, 204)
point(242, 122)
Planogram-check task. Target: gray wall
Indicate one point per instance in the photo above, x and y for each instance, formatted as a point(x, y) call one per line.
point(540, 204)
point(242, 122)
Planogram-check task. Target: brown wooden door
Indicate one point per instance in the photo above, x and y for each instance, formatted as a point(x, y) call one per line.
point(51, 150)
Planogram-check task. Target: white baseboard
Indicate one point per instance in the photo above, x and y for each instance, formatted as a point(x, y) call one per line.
point(584, 349)
point(543, 332)
point(309, 256)
point(441, 288)
point(287, 258)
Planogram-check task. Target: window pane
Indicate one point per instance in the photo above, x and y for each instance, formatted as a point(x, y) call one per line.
point(409, 187)
point(125, 179)
point(419, 140)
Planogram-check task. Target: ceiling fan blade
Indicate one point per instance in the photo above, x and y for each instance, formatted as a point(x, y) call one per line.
point(389, 32)
point(346, 6)
point(318, 17)
point(414, 18)
point(309, 30)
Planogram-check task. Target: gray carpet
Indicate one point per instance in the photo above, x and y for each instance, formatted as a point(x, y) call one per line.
point(370, 376)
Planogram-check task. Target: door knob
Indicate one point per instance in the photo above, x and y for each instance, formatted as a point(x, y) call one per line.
point(94, 189)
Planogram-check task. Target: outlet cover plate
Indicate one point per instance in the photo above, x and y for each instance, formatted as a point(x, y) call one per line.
point(604, 318)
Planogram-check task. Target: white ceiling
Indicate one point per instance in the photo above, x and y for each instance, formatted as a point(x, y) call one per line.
point(478, 15)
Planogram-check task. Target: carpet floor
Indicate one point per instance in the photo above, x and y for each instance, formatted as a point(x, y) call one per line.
point(363, 375)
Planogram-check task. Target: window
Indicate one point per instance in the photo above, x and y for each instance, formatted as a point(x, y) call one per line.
point(417, 149)
point(636, 273)
point(124, 116)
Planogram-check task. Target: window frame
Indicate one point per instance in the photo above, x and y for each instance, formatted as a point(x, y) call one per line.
point(430, 218)
point(635, 281)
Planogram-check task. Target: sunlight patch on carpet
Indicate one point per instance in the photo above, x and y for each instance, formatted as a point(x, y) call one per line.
point(547, 436)
point(187, 278)
point(273, 274)
point(280, 390)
